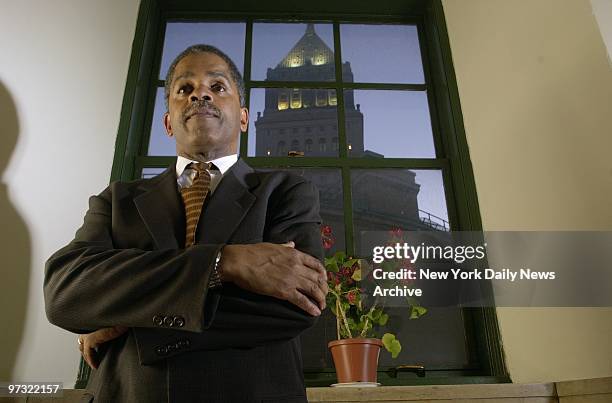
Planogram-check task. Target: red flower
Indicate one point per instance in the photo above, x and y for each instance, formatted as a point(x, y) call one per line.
point(347, 272)
point(396, 232)
point(328, 243)
point(326, 237)
point(352, 297)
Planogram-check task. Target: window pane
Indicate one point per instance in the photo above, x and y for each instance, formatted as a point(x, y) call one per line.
point(329, 184)
point(436, 340)
point(159, 143)
point(285, 120)
point(227, 36)
point(381, 54)
point(391, 124)
point(413, 200)
point(151, 172)
point(293, 52)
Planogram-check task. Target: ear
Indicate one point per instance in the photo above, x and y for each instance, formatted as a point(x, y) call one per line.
point(244, 119)
point(167, 125)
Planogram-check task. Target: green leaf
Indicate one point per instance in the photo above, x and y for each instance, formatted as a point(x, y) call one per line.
point(331, 264)
point(383, 319)
point(357, 275)
point(350, 262)
point(417, 312)
point(391, 344)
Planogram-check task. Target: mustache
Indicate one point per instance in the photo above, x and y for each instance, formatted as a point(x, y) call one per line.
point(201, 106)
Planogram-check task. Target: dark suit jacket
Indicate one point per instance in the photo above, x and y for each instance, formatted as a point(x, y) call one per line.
point(127, 266)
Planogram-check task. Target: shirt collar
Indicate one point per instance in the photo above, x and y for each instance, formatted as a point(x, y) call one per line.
point(223, 163)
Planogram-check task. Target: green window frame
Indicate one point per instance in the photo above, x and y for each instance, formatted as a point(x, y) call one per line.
point(452, 155)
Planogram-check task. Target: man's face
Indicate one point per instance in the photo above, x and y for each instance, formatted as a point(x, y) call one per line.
point(204, 114)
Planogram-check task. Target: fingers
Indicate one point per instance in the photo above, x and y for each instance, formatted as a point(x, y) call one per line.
point(313, 263)
point(88, 349)
point(316, 294)
point(278, 270)
point(313, 281)
point(319, 271)
point(89, 354)
point(308, 260)
point(301, 301)
point(90, 342)
point(108, 333)
point(311, 285)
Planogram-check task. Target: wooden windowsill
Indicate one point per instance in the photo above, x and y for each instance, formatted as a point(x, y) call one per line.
point(598, 390)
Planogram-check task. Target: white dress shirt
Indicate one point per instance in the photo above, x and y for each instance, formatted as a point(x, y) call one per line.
point(185, 175)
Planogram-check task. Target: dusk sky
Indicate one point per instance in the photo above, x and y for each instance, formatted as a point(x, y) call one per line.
point(396, 123)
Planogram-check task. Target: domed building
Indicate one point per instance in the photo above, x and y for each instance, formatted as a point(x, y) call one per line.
point(298, 121)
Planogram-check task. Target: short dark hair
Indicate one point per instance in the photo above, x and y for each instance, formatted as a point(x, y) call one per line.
point(203, 48)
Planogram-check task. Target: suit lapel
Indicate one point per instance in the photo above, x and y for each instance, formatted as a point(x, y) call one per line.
point(228, 205)
point(161, 209)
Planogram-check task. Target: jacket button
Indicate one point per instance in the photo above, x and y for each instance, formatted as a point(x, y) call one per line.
point(168, 321)
point(179, 321)
point(161, 350)
point(158, 321)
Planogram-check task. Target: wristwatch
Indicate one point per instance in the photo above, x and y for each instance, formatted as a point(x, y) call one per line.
point(215, 277)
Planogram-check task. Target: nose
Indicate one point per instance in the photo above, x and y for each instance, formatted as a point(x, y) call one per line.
point(201, 93)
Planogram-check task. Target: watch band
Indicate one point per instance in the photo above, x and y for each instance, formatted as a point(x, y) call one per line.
point(215, 277)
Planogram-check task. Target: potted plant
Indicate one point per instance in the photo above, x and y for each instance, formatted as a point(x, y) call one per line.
point(360, 317)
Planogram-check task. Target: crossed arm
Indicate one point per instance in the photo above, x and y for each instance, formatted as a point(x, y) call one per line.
point(92, 286)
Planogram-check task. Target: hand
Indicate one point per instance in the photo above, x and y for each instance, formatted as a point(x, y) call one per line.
point(280, 271)
point(88, 343)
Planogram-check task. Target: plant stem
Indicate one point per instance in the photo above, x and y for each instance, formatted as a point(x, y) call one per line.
point(365, 325)
point(338, 318)
point(340, 311)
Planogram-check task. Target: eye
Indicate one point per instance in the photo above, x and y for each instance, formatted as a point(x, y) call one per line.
point(184, 89)
point(218, 87)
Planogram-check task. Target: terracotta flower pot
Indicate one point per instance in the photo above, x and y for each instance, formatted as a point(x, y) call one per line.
point(356, 360)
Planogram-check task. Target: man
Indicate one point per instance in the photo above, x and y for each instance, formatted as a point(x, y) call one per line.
point(196, 283)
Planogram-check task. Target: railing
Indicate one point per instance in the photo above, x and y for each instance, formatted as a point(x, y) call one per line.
point(433, 221)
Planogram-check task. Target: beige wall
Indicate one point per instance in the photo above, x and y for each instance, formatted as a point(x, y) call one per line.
point(63, 66)
point(536, 92)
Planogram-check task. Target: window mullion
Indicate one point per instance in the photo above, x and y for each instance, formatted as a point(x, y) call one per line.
point(431, 101)
point(147, 124)
point(332, 84)
point(342, 146)
point(248, 54)
point(348, 211)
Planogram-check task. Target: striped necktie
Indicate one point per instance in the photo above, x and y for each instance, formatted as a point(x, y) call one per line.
point(193, 198)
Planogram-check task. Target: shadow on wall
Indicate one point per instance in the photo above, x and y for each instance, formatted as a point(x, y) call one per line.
point(15, 248)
